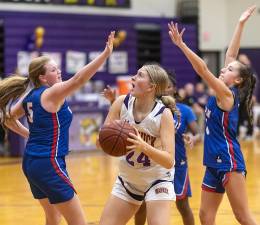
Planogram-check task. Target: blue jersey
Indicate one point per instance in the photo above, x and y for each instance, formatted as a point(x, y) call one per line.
point(221, 147)
point(49, 132)
point(187, 117)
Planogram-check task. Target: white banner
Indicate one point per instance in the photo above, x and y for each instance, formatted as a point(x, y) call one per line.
point(56, 56)
point(75, 61)
point(23, 60)
point(118, 62)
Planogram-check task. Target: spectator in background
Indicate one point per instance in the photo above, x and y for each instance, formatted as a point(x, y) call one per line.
point(201, 97)
point(189, 98)
point(182, 94)
point(200, 94)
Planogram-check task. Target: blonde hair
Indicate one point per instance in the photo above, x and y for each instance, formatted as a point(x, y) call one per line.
point(160, 78)
point(14, 86)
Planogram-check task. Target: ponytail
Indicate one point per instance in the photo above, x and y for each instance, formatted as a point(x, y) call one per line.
point(11, 88)
point(170, 103)
point(246, 89)
point(160, 78)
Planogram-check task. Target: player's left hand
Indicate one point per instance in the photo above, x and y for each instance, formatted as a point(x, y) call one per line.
point(109, 44)
point(175, 35)
point(109, 94)
point(138, 144)
point(188, 140)
point(246, 14)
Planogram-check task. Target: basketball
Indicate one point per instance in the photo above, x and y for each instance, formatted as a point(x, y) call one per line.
point(113, 137)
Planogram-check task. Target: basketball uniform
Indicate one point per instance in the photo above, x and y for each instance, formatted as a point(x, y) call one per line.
point(140, 178)
point(44, 158)
point(222, 153)
point(181, 176)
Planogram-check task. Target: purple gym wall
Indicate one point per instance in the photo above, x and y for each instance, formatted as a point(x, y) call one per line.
point(88, 33)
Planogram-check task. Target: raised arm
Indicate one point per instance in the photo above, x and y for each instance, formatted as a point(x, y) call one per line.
point(234, 44)
point(223, 93)
point(58, 92)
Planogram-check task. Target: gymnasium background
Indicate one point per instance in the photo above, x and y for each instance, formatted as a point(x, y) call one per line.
point(74, 31)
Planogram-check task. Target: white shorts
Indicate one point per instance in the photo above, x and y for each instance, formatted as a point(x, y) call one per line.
point(159, 191)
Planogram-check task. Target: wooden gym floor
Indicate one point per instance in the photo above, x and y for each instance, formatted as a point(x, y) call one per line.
point(93, 175)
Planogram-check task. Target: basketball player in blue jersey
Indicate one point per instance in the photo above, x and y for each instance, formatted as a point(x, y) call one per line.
point(181, 178)
point(145, 172)
point(225, 166)
point(49, 119)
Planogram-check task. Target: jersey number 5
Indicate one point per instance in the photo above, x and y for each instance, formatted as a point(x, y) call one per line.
point(29, 112)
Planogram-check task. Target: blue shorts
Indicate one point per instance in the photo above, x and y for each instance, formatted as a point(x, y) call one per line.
point(182, 183)
point(48, 178)
point(215, 179)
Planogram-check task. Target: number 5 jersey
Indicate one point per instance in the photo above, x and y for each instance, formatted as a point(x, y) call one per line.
point(49, 132)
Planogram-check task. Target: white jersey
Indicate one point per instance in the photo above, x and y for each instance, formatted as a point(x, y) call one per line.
point(135, 167)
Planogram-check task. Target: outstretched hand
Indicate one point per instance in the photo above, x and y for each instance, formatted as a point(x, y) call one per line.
point(175, 35)
point(109, 44)
point(246, 14)
point(109, 94)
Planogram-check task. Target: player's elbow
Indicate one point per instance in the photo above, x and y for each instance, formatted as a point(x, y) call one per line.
point(169, 165)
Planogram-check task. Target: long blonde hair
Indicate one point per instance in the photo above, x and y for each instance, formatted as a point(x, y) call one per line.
point(14, 86)
point(160, 78)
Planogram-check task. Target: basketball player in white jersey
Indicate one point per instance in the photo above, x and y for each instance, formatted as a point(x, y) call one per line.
point(145, 172)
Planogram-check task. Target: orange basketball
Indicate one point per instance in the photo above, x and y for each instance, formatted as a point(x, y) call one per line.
point(113, 137)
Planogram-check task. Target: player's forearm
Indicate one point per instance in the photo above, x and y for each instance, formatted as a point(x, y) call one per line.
point(197, 63)
point(90, 69)
point(234, 45)
point(17, 127)
point(202, 70)
point(163, 158)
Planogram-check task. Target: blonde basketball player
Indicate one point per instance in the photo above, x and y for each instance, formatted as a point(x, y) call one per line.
point(145, 173)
